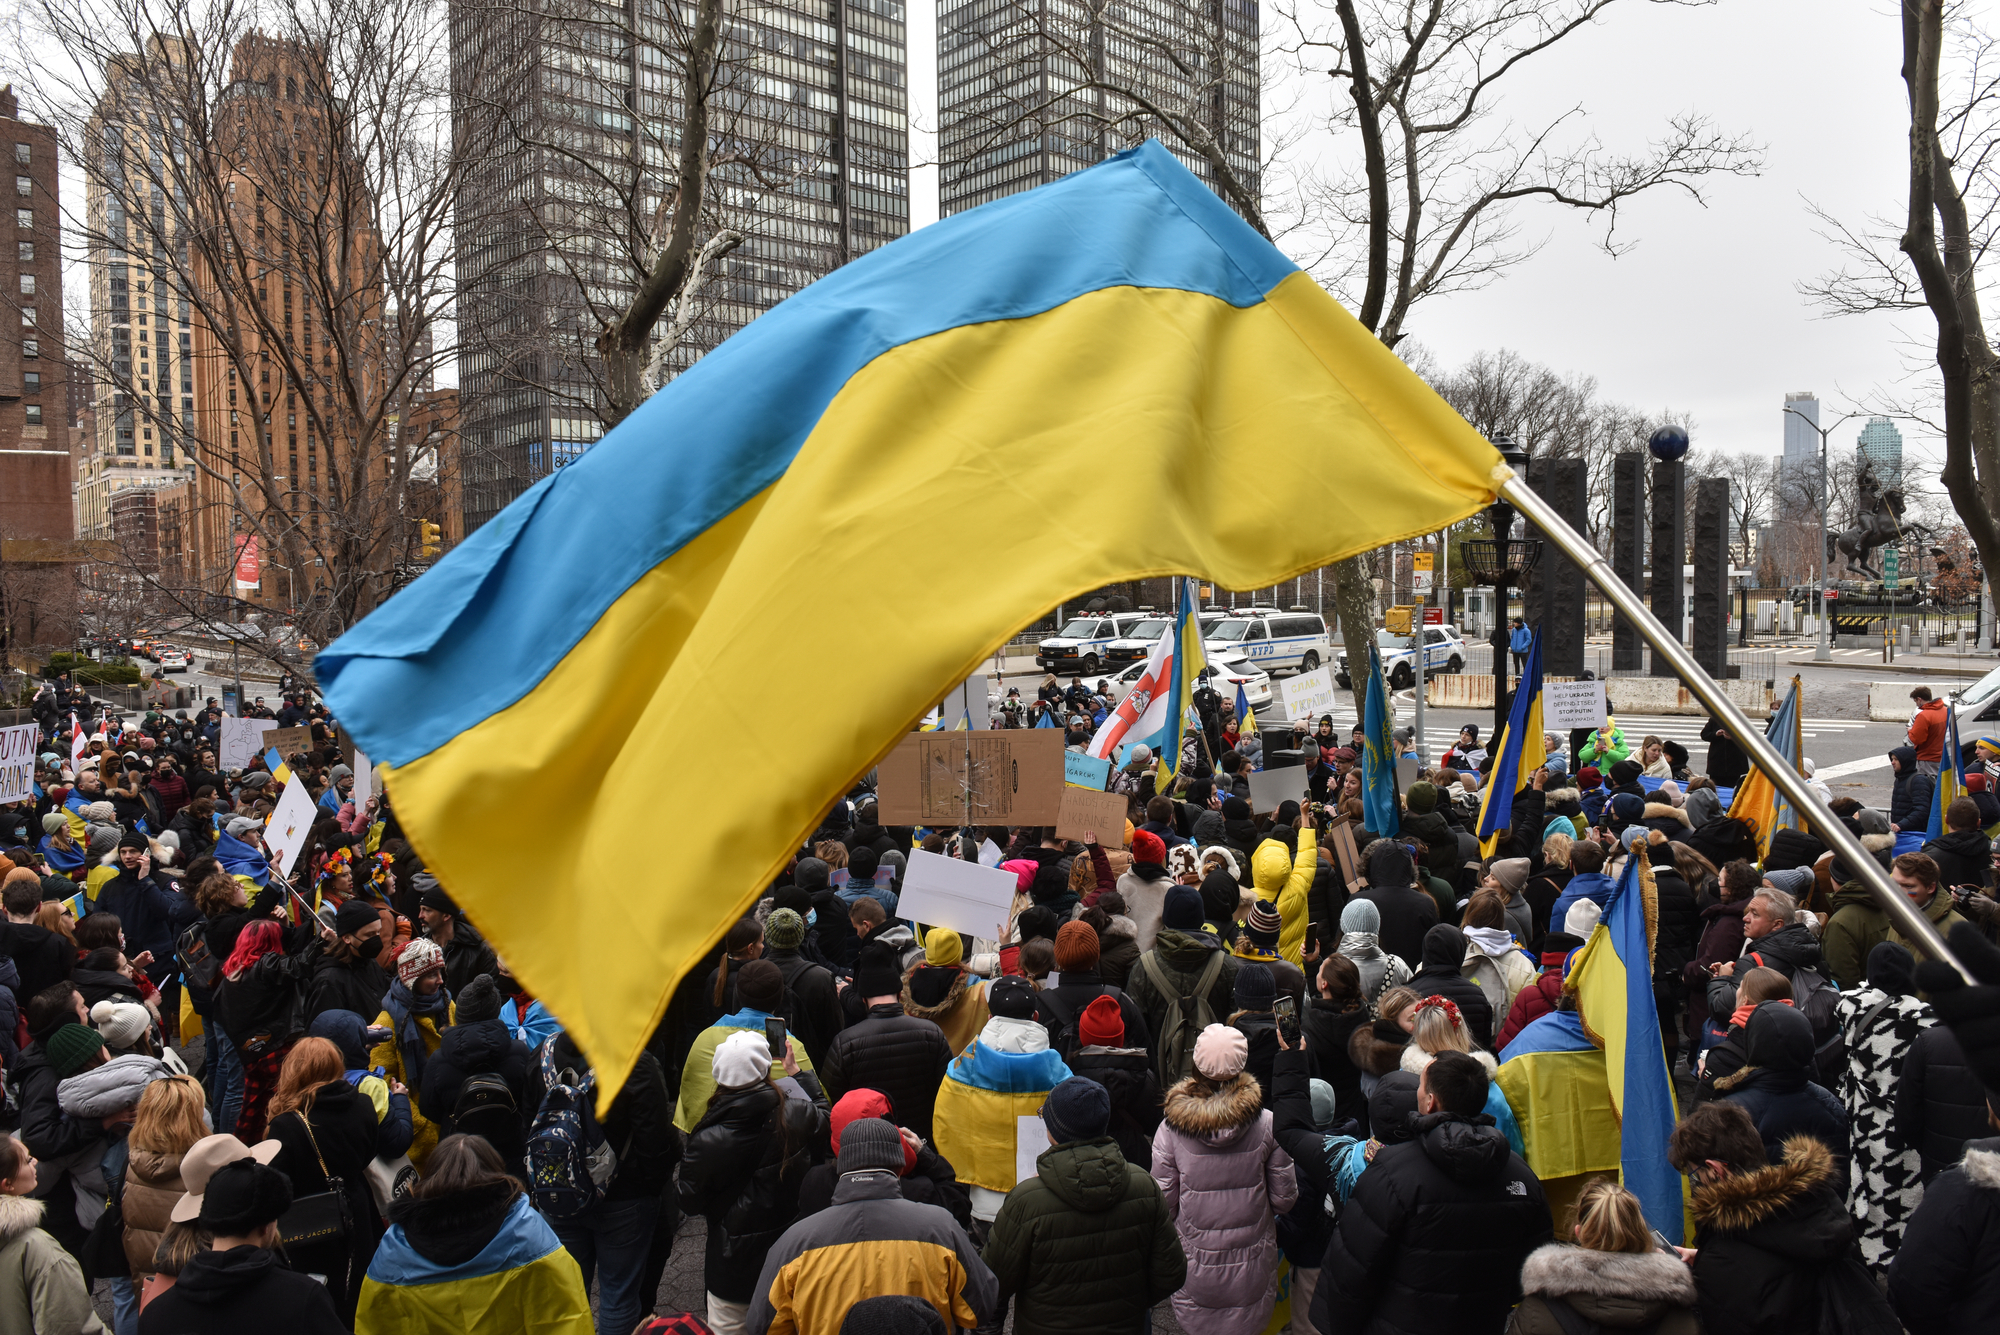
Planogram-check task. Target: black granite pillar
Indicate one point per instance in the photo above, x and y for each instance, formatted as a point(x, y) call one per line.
point(1558, 604)
point(1628, 529)
point(1711, 575)
point(1669, 549)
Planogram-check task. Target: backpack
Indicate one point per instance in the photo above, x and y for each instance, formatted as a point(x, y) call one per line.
point(191, 952)
point(486, 1108)
point(1186, 1016)
point(1062, 1034)
point(1817, 999)
point(569, 1160)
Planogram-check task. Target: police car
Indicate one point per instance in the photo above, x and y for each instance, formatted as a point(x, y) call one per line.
point(1272, 639)
point(1230, 671)
point(1080, 646)
point(1136, 646)
point(1444, 652)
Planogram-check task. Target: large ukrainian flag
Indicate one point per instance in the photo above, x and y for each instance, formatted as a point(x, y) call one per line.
point(956, 432)
point(1520, 752)
point(1757, 800)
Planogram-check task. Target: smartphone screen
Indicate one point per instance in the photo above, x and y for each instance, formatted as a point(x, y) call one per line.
point(1660, 1240)
point(774, 1036)
point(1285, 1008)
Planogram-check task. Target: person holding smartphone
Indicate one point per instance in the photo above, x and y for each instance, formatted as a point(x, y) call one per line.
point(1615, 1270)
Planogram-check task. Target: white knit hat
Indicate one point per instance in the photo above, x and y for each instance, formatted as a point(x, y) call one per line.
point(122, 1023)
point(744, 1058)
point(1581, 919)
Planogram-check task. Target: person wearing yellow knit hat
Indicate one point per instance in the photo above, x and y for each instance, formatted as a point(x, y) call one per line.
point(940, 990)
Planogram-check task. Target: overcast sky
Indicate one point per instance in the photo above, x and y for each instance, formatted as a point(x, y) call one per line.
point(1703, 315)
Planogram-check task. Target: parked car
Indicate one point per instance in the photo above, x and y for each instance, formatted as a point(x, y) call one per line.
point(1080, 646)
point(1444, 652)
point(1272, 639)
point(1231, 671)
point(171, 660)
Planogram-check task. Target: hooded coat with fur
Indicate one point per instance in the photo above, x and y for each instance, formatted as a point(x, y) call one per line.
point(1762, 1240)
point(1943, 1280)
point(1225, 1180)
point(1649, 1291)
point(41, 1287)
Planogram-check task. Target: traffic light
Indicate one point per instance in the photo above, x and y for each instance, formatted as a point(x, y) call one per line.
point(428, 539)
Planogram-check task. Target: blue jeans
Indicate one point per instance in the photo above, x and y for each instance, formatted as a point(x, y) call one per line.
point(612, 1242)
point(226, 1098)
point(124, 1305)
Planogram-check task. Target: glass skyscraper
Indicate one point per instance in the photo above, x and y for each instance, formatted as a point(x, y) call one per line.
point(1881, 444)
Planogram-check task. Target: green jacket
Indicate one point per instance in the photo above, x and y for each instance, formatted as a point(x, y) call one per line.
point(1086, 1245)
point(1611, 755)
point(1855, 926)
point(1943, 917)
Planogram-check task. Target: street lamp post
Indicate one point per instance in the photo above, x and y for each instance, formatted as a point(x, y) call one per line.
point(1822, 645)
point(1502, 562)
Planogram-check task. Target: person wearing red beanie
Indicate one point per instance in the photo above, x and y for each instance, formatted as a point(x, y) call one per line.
point(1120, 1064)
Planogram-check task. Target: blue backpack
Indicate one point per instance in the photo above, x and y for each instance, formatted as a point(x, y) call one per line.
point(569, 1161)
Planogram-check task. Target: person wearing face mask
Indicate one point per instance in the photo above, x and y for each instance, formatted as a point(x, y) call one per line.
point(350, 976)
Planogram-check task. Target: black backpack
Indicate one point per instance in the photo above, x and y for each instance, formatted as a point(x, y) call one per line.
point(486, 1108)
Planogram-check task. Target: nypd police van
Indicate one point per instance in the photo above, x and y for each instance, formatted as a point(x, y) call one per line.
point(1136, 645)
point(1081, 646)
point(1271, 639)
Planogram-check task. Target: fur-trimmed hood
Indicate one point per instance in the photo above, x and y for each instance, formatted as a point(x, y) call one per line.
point(1557, 796)
point(1667, 811)
point(1120, 925)
point(934, 1013)
point(1377, 1047)
point(1218, 1117)
point(1981, 1164)
point(1744, 1200)
point(1415, 1059)
point(1651, 1277)
point(18, 1214)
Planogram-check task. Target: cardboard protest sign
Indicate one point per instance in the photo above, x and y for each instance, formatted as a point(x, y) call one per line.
point(291, 821)
point(1015, 778)
point(1270, 787)
point(1308, 694)
point(1083, 811)
point(17, 762)
point(288, 742)
point(1341, 835)
point(951, 892)
point(1082, 771)
point(242, 740)
point(1572, 704)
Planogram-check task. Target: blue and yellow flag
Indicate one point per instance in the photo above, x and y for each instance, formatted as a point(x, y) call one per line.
point(898, 422)
point(1246, 717)
point(1951, 775)
point(1520, 752)
point(1378, 755)
point(1612, 977)
point(1189, 660)
point(275, 763)
point(1757, 802)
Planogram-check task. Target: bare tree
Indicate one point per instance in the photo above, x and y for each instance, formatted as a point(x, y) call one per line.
point(1933, 257)
point(277, 181)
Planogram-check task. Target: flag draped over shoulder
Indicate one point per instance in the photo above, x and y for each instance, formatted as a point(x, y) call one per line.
point(1951, 775)
point(1758, 801)
point(1521, 751)
point(1612, 976)
point(910, 422)
point(1378, 755)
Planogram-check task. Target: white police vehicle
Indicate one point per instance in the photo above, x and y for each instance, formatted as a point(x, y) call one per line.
point(1444, 651)
point(1080, 646)
point(1272, 639)
point(1136, 646)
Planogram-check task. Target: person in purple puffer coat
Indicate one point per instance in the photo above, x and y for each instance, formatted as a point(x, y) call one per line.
point(1226, 1181)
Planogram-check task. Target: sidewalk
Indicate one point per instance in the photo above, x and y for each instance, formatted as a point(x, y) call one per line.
point(1969, 666)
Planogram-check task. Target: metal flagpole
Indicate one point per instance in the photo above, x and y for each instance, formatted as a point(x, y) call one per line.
point(1747, 735)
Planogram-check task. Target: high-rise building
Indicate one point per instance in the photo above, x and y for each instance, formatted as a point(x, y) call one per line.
point(142, 385)
point(1881, 446)
point(34, 381)
point(573, 102)
point(1799, 465)
point(1009, 121)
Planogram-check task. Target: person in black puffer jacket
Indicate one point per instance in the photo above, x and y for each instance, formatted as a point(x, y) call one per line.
point(1910, 798)
point(1328, 1022)
point(1940, 1103)
point(1423, 822)
point(478, 1044)
point(1674, 945)
point(900, 1055)
point(1792, 848)
point(1435, 1233)
point(816, 1015)
point(1444, 953)
point(154, 917)
point(1943, 1280)
point(1776, 1088)
point(927, 1177)
point(1962, 853)
point(1765, 1233)
point(745, 1162)
point(1127, 1075)
point(1406, 913)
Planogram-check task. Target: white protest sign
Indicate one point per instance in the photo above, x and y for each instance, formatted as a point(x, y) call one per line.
point(364, 777)
point(1572, 704)
point(954, 893)
point(1031, 1141)
point(1270, 787)
point(17, 761)
point(1308, 694)
point(285, 833)
point(969, 705)
point(242, 740)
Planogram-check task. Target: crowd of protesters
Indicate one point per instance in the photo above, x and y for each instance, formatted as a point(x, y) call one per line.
point(1269, 1085)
